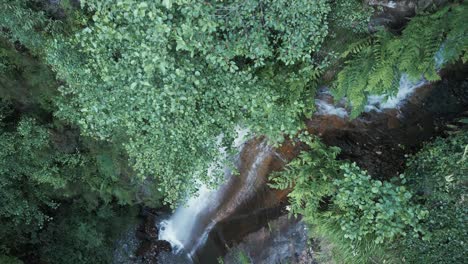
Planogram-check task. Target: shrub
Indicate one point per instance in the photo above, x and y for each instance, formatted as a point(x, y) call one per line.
point(371, 208)
point(438, 174)
point(343, 205)
point(352, 15)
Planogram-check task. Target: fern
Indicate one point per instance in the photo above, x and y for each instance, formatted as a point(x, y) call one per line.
point(344, 205)
point(376, 64)
point(356, 47)
point(456, 42)
point(310, 175)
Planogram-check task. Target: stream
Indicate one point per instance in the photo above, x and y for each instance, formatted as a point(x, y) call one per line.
point(218, 221)
point(245, 215)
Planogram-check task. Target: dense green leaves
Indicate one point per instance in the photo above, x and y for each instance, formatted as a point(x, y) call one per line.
point(426, 44)
point(167, 82)
point(438, 174)
point(346, 206)
point(310, 175)
point(351, 15)
point(23, 24)
point(269, 29)
point(37, 179)
point(81, 234)
point(29, 176)
point(372, 208)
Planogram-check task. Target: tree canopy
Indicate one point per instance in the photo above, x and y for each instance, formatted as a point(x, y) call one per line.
point(166, 78)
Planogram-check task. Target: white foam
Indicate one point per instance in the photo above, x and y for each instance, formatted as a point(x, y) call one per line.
point(405, 89)
point(325, 108)
point(391, 4)
point(177, 229)
point(180, 228)
point(241, 138)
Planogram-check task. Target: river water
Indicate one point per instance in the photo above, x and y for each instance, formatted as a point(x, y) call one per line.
point(217, 222)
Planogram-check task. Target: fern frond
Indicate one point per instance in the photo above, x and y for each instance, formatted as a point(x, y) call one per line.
point(378, 62)
point(356, 47)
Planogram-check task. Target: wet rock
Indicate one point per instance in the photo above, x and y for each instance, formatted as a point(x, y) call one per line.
point(284, 240)
point(395, 14)
point(147, 233)
point(125, 247)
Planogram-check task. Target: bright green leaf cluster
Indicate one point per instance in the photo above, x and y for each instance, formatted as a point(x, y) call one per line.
point(372, 208)
point(165, 82)
point(426, 44)
point(352, 15)
point(340, 202)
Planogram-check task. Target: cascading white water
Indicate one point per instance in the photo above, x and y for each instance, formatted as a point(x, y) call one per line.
point(405, 89)
point(219, 212)
point(184, 229)
point(325, 108)
point(177, 229)
point(324, 104)
point(248, 186)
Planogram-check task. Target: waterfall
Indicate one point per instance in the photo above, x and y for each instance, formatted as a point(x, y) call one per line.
point(188, 228)
point(176, 230)
point(406, 87)
point(324, 104)
point(325, 108)
point(248, 183)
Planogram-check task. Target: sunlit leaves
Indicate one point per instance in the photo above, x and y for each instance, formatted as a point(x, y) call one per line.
point(167, 81)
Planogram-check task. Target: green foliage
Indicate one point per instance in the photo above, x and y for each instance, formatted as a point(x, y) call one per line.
point(344, 205)
point(9, 260)
point(438, 174)
point(111, 177)
point(29, 178)
point(82, 234)
point(352, 14)
point(165, 82)
point(376, 68)
point(370, 207)
point(24, 24)
point(332, 247)
point(268, 29)
point(29, 24)
point(48, 202)
point(24, 79)
point(310, 175)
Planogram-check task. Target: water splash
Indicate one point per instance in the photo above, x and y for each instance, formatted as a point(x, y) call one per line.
point(177, 230)
point(188, 228)
point(325, 108)
point(325, 104)
point(405, 89)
